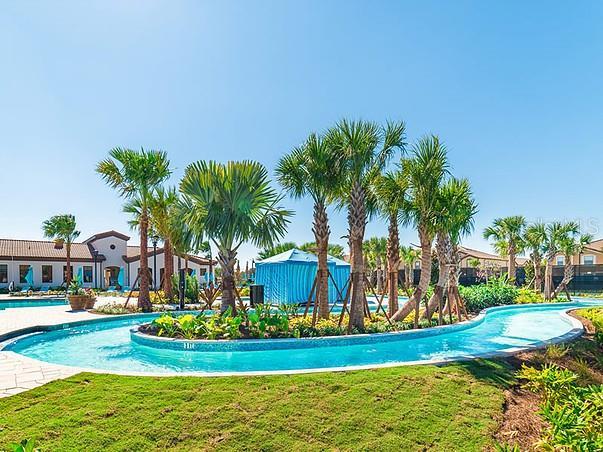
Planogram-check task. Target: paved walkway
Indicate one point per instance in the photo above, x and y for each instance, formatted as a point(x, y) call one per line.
point(18, 373)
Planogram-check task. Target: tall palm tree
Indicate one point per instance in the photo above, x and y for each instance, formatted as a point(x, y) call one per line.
point(534, 239)
point(62, 228)
point(364, 149)
point(136, 175)
point(426, 171)
point(507, 234)
point(571, 244)
point(390, 192)
point(556, 236)
point(455, 218)
point(231, 204)
point(409, 255)
point(313, 170)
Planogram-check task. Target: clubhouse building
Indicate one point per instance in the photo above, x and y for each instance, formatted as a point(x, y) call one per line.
point(103, 261)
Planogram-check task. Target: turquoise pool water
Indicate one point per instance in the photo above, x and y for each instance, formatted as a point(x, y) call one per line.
point(108, 345)
point(31, 303)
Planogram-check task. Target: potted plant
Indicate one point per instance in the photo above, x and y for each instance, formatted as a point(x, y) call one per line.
point(77, 296)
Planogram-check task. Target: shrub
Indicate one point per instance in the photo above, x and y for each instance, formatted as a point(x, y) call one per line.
point(115, 308)
point(595, 315)
point(574, 413)
point(496, 292)
point(526, 295)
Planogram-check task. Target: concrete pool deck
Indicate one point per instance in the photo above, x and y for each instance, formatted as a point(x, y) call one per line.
point(18, 373)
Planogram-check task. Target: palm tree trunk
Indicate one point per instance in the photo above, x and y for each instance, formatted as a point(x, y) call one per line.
point(321, 235)
point(227, 260)
point(357, 223)
point(415, 300)
point(568, 275)
point(68, 276)
point(511, 265)
point(379, 274)
point(442, 251)
point(537, 276)
point(144, 298)
point(408, 276)
point(548, 279)
point(168, 269)
point(393, 263)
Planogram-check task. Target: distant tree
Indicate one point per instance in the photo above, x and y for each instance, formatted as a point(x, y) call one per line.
point(62, 228)
point(508, 234)
point(276, 249)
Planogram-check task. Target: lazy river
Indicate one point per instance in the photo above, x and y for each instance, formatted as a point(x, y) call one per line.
point(108, 345)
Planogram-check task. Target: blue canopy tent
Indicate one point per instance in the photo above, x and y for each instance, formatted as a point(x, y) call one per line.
point(288, 277)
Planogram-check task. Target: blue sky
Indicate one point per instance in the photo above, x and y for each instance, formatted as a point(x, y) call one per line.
point(513, 88)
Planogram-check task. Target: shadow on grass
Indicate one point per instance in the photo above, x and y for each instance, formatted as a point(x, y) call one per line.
point(498, 372)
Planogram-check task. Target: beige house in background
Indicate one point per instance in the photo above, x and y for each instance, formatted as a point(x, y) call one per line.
point(592, 255)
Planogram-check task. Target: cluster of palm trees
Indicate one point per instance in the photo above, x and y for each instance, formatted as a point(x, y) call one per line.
point(348, 167)
point(225, 204)
point(543, 242)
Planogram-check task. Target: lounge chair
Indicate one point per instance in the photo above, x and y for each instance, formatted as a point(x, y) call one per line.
point(125, 289)
point(44, 290)
point(111, 289)
point(26, 290)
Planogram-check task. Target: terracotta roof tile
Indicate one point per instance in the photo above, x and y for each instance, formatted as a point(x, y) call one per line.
point(10, 248)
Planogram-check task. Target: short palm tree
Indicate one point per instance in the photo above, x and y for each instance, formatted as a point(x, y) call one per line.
point(426, 171)
point(390, 192)
point(557, 234)
point(136, 175)
point(163, 220)
point(333, 249)
point(534, 239)
point(571, 244)
point(231, 204)
point(313, 170)
point(507, 234)
point(364, 149)
point(62, 228)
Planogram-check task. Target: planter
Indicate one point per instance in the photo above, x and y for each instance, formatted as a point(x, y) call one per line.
point(78, 302)
point(90, 302)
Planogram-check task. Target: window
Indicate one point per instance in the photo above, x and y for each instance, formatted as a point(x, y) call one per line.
point(3, 273)
point(589, 259)
point(23, 271)
point(46, 273)
point(560, 260)
point(87, 273)
point(65, 272)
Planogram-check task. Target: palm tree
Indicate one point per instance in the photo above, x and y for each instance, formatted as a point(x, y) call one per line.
point(136, 175)
point(455, 214)
point(276, 249)
point(507, 234)
point(333, 249)
point(313, 170)
point(409, 255)
point(557, 234)
point(426, 171)
point(571, 244)
point(376, 249)
point(364, 149)
point(534, 239)
point(61, 229)
point(231, 204)
point(163, 221)
point(390, 192)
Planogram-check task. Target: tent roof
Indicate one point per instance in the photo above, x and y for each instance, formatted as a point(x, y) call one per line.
point(295, 255)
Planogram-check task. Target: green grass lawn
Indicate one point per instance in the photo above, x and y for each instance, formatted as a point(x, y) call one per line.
point(445, 408)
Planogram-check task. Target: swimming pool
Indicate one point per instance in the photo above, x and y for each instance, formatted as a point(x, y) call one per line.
point(107, 345)
point(32, 303)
